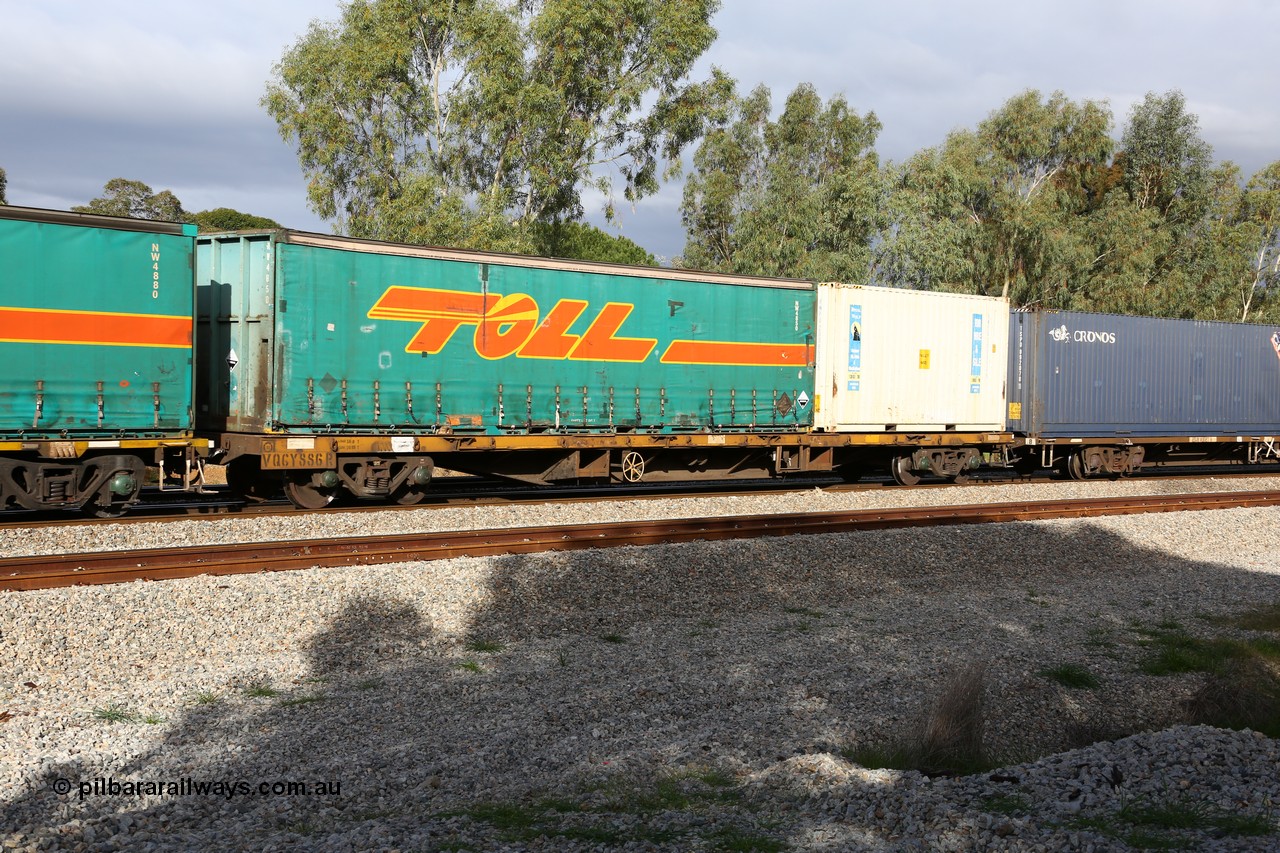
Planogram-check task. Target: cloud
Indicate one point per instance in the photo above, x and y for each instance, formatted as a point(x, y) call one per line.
point(167, 91)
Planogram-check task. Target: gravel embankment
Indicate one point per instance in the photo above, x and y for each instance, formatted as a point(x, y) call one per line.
point(678, 697)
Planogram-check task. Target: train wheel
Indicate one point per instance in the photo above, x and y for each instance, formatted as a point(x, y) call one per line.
point(1075, 466)
point(413, 489)
point(304, 493)
point(902, 473)
point(119, 492)
point(632, 467)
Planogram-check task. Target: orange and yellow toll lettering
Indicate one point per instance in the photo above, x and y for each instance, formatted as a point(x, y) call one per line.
point(600, 344)
point(551, 338)
point(506, 325)
point(735, 352)
point(441, 313)
point(101, 328)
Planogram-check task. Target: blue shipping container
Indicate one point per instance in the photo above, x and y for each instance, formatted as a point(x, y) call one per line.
point(1086, 375)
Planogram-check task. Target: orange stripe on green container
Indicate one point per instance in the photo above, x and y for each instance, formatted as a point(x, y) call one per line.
point(103, 328)
point(736, 352)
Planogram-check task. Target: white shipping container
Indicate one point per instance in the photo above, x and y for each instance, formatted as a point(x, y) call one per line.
point(910, 360)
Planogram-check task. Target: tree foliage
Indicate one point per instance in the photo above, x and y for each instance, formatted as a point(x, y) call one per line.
point(229, 219)
point(798, 196)
point(987, 211)
point(134, 199)
point(1035, 205)
point(1166, 164)
point(580, 241)
point(4, 184)
point(462, 122)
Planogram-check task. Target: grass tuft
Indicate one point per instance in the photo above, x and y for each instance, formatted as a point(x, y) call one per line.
point(1242, 688)
point(260, 690)
point(468, 666)
point(1242, 694)
point(1006, 804)
point(647, 805)
point(486, 646)
point(1264, 618)
point(1071, 675)
point(733, 840)
point(804, 611)
point(114, 714)
point(947, 740)
point(1146, 824)
point(614, 638)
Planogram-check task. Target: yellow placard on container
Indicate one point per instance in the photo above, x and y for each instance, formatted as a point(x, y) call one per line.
point(924, 359)
point(1015, 411)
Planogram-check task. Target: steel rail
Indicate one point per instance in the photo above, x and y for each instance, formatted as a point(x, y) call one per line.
point(498, 496)
point(49, 571)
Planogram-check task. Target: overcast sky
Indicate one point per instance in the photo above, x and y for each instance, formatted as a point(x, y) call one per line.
point(167, 91)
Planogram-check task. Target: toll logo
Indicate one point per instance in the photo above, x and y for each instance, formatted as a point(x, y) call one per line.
point(514, 325)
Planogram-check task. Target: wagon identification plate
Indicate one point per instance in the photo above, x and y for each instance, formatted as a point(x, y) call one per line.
point(297, 453)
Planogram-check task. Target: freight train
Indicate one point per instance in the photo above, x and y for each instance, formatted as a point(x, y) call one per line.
point(328, 367)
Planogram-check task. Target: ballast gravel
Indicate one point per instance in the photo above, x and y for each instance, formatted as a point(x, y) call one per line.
point(715, 696)
point(17, 542)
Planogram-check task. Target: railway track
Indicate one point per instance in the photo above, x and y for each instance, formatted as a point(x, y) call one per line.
point(490, 493)
point(42, 572)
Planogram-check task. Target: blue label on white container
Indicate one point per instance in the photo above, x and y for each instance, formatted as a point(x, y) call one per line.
point(855, 348)
point(975, 362)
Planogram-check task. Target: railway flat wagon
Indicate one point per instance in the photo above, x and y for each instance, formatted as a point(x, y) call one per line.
point(96, 338)
point(914, 378)
point(1104, 394)
point(347, 366)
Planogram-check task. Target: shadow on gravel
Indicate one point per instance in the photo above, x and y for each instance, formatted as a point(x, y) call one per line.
point(679, 696)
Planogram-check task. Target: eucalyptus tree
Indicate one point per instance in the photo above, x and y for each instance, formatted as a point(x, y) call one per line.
point(1188, 215)
point(1166, 163)
point(465, 121)
point(1236, 264)
point(797, 196)
point(134, 199)
point(993, 211)
point(229, 219)
point(1259, 290)
point(4, 183)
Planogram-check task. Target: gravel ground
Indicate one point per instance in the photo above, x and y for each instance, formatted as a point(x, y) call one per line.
point(692, 697)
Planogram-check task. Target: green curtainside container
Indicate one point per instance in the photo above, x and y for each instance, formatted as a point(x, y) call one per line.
point(304, 333)
point(95, 326)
